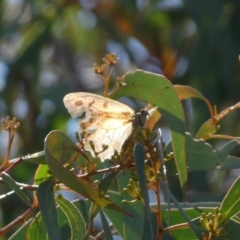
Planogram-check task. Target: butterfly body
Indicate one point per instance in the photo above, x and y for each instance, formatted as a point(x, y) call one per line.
point(105, 121)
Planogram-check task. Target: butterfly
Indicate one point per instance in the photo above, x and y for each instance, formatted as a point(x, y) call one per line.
point(104, 120)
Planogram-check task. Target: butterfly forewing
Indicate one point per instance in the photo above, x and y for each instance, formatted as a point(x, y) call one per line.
point(106, 121)
point(96, 111)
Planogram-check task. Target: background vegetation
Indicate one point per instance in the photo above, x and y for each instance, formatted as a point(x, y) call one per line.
point(47, 49)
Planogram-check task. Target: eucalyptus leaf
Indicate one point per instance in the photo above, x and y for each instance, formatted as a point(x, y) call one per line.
point(157, 90)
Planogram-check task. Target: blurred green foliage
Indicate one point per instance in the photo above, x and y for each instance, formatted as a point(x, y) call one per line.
point(47, 49)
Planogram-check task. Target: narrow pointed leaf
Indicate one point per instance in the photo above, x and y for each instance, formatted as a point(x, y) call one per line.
point(37, 230)
point(231, 203)
point(41, 174)
point(13, 185)
point(75, 219)
point(106, 228)
point(185, 92)
point(206, 129)
point(59, 149)
point(48, 210)
point(210, 126)
point(184, 214)
point(128, 227)
point(106, 181)
point(139, 154)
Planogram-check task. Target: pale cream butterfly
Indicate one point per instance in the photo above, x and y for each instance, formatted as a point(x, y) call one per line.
point(105, 121)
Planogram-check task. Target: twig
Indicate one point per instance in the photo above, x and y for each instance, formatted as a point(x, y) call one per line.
point(19, 220)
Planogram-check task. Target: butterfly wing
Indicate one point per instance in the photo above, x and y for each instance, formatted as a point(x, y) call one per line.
point(107, 121)
point(96, 111)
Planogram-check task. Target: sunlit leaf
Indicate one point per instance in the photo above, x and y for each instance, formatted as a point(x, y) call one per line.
point(207, 129)
point(210, 127)
point(157, 90)
point(38, 230)
point(75, 219)
point(185, 92)
point(41, 174)
point(231, 203)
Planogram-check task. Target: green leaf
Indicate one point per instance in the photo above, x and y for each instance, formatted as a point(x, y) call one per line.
point(83, 206)
point(128, 227)
point(106, 228)
point(75, 219)
point(69, 220)
point(21, 232)
point(41, 174)
point(13, 185)
point(193, 211)
point(148, 231)
point(185, 92)
point(231, 162)
point(185, 215)
point(106, 181)
point(231, 203)
point(37, 229)
point(201, 156)
point(139, 154)
point(59, 149)
point(208, 128)
point(48, 209)
point(158, 91)
point(233, 230)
